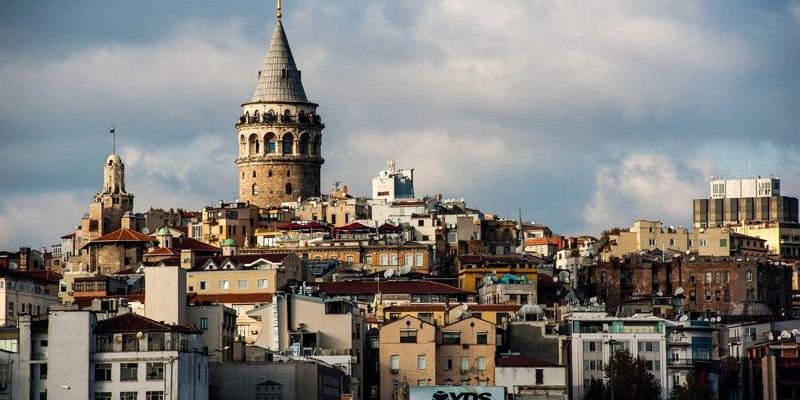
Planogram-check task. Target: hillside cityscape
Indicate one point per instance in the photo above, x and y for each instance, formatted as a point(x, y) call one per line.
point(297, 288)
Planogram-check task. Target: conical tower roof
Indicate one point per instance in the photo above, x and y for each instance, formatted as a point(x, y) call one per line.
point(279, 78)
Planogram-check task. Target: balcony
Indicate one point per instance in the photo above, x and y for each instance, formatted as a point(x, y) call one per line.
point(681, 362)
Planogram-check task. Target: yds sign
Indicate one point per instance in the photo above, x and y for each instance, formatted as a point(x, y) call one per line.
point(457, 393)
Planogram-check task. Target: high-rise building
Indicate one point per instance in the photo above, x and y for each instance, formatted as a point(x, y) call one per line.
point(741, 201)
point(393, 183)
point(279, 133)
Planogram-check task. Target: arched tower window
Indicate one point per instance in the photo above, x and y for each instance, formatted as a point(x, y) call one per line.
point(288, 188)
point(252, 144)
point(287, 144)
point(288, 173)
point(302, 146)
point(269, 173)
point(254, 174)
point(254, 189)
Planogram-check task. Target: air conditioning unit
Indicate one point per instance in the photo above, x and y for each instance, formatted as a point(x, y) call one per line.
point(464, 371)
point(394, 372)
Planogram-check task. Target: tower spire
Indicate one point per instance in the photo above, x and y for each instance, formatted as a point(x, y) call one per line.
point(279, 15)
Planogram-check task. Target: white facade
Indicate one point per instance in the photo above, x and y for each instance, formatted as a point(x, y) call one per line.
point(393, 183)
point(166, 294)
point(738, 188)
point(545, 382)
point(22, 295)
point(593, 335)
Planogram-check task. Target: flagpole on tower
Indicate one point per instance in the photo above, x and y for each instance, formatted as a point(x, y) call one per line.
point(113, 139)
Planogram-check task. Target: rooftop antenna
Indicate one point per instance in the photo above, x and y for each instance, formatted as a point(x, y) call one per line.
point(279, 15)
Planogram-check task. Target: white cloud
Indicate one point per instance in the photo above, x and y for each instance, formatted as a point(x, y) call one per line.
point(644, 186)
point(40, 220)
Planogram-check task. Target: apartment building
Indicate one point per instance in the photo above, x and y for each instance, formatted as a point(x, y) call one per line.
point(414, 353)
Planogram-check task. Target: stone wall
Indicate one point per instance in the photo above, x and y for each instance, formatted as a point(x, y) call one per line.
point(273, 174)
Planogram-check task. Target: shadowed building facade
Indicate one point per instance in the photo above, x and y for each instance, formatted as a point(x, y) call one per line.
point(279, 133)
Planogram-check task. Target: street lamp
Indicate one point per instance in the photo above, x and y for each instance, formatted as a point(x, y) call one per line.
point(611, 344)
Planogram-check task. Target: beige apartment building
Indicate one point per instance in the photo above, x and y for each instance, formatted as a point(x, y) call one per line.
point(715, 241)
point(237, 221)
point(21, 293)
point(243, 282)
point(416, 353)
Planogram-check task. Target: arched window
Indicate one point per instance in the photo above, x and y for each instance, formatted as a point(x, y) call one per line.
point(269, 173)
point(288, 173)
point(271, 146)
point(288, 188)
point(258, 147)
point(287, 144)
point(748, 276)
point(254, 189)
point(303, 146)
point(254, 174)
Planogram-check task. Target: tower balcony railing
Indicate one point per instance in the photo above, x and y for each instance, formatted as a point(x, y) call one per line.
point(303, 119)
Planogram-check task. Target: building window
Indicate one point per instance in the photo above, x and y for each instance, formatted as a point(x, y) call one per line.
point(703, 243)
point(418, 261)
point(651, 242)
point(483, 338)
point(448, 363)
point(128, 395)
point(464, 364)
point(42, 371)
point(451, 337)
point(708, 277)
point(384, 259)
point(691, 277)
point(262, 283)
point(708, 295)
point(748, 276)
point(408, 336)
point(288, 188)
point(204, 323)
point(254, 190)
point(603, 277)
point(692, 295)
point(155, 371)
point(393, 259)
point(409, 260)
point(129, 372)
point(223, 284)
point(287, 145)
point(539, 376)
point(102, 395)
point(241, 284)
point(394, 362)
point(155, 395)
point(723, 243)
point(130, 342)
point(422, 362)
point(672, 242)
point(481, 363)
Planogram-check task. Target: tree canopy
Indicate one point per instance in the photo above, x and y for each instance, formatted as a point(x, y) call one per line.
point(628, 379)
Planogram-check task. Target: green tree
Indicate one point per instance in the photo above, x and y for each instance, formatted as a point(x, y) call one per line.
point(691, 390)
point(627, 379)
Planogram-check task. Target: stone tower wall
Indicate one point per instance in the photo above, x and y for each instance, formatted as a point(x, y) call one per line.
point(301, 172)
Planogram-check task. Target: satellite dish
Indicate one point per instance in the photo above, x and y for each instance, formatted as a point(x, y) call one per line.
point(404, 269)
point(688, 251)
point(719, 319)
point(558, 292)
point(659, 293)
point(705, 319)
point(770, 336)
point(593, 300)
point(786, 334)
point(465, 306)
point(795, 331)
point(388, 273)
point(678, 291)
point(555, 279)
point(684, 318)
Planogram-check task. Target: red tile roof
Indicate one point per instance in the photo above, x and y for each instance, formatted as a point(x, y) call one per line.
point(417, 308)
point(521, 361)
point(132, 323)
point(44, 275)
point(124, 235)
point(542, 240)
point(187, 243)
point(84, 302)
point(388, 287)
point(493, 307)
point(231, 298)
point(241, 258)
point(161, 251)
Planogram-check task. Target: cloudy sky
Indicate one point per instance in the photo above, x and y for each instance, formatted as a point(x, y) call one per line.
point(584, 115)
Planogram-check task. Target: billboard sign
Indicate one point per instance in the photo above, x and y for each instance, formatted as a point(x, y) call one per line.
point(457, 393)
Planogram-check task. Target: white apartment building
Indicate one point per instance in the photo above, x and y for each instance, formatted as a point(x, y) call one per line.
point(595, 335)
